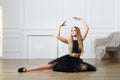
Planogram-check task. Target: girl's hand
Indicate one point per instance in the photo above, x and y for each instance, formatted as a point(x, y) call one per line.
point(76, 18)
point(63, 24)
point(79, 19)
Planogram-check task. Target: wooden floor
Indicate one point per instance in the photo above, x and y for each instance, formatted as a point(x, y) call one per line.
point(106, 70)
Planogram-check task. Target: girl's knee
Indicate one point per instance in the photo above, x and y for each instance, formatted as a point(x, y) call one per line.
point(83, 67)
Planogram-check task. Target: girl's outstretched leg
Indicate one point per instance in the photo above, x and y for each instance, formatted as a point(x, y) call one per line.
point(41, 67)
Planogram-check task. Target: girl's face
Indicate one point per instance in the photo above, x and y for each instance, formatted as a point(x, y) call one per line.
point(74, 32)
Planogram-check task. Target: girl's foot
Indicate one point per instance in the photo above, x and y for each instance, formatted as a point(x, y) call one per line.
point(22, 69)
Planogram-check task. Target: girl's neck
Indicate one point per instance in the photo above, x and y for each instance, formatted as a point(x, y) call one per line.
point(74, 38)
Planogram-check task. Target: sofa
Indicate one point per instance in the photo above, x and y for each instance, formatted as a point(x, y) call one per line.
point(106, 45)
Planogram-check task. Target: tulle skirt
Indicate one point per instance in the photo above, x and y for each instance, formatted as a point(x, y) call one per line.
point(68, 63)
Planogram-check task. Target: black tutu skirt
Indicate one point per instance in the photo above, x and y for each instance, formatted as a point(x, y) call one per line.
point(68, 63)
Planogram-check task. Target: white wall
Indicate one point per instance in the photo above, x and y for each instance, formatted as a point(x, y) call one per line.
point(11, 29)
point(27, 21)
point(1, 26)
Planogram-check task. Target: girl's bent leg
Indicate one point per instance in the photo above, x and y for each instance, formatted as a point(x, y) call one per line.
point(83, 67)
point(87, 67)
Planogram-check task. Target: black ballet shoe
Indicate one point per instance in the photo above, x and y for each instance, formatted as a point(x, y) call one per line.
point(22, 69)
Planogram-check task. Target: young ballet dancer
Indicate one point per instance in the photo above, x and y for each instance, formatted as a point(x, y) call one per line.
point(70, 62)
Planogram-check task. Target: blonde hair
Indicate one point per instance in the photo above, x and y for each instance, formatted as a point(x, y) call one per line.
point(79, 38)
